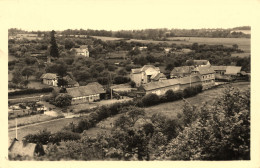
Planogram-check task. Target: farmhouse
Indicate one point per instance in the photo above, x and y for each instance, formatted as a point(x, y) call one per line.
point(179, 72)
point(50, 79)
point(233, 71)
point(86, 94)
point(145, 74)
point(82, 51)
point(160, 87)
point(206, 75)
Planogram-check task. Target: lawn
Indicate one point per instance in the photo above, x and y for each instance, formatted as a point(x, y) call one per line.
point(29, 120)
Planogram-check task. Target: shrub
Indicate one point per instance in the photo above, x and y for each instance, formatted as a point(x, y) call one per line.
point(63, 100)
point(64, 136)
point(42, 137)
point(132, 84)
point(30, 91)
point(170, 96)
point(150, 99)
point(121, 79)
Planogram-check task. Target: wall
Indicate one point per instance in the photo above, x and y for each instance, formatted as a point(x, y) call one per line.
point(162, 91)
point(137, 78)
point(85, 99)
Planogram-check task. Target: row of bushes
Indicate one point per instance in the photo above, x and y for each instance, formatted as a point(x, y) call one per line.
point(98, 115)
point(30, 91)
point(153, 99)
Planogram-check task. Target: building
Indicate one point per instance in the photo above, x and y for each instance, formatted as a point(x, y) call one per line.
point(180, 72)
point(50, 79)
point(70, 81)
point(143, 75)
point(189, 81)
point(82, 51)
point(233, 71)
point(227, 72)
point(85, 94)
point(29, 36)
point(199, 63)
point(160, 87)
point(220, 70)
point(158, 77)
point(206, 75)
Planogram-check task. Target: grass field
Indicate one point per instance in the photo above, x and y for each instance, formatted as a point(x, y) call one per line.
point(29, 120)
point(240, 55)
point(243, 43)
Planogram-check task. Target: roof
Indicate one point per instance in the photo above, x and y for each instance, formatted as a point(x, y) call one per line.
point(219, 68)
point(182, 69)
point(69, 80)
point(49, 76)
point(144, 68)
point(189, 79)
point(84, 47)
point(200, 62)
point(233, 70)
point(204, 70)
point(158, 76)
point(90, 89)
point(160, 84)
point(19, 148)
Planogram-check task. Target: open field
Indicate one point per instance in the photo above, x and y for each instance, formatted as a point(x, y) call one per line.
point(106, 38)
point(241, 55)
point(29, 120)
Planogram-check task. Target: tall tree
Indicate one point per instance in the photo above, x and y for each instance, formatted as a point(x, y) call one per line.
point(54, 52)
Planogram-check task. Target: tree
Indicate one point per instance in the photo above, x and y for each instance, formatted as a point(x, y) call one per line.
point(62, 82)
point(150, 99)
point(54, 52)
point(63, 100)
point(27, 72)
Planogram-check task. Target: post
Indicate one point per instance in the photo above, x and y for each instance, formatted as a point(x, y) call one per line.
point(190, 80)
point(111, 93)
point(16, 128)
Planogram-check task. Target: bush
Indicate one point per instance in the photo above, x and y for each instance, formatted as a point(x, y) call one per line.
point(150, 99)
point(30, 91)
point(170, 96)
point(64, 136)
point(121, 79)
point(132, 84)
point(63, 100)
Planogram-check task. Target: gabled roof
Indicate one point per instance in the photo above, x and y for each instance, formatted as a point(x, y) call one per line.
point(49, 76)
point(90, 89)
point(189, 79)
point(158, 76)
point(160, 84)
point(204, 70)
point(182, 70)
point(219, 68)
point(144, 68)
point(233, 70)
point(19, 148)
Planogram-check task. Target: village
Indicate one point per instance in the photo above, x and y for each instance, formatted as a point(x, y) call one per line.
point(76, 75)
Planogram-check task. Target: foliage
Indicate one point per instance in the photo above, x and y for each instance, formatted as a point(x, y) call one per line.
point(54, 52)
point(121, 79)
point(30, 91)
point(63, 100)
point(150, 99)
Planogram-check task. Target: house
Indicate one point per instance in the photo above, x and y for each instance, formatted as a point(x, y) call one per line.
point(220, 70)
point(50, 79)
point(198, 63)
point(233, 71)
point(160, 87)
point(179, 72)
point(206, 75)
point(189, 81)
point(82, 51)
point(19, 148)
point(70, 81)
point(85, 94)
point(143, 75)
point(158, 77)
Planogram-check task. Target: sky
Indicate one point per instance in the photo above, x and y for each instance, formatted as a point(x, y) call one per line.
point(127, 14)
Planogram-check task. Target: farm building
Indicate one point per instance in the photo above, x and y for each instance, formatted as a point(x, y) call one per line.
point(233, 71)
point(198, 63)
point(221, 70)
point(86, 94)
point(206, 75)
point(179, 72)
point(160, 87)
point(82, 51)
point(145, 74)
point(70, 82)
point(50, 79)
point(189, 81)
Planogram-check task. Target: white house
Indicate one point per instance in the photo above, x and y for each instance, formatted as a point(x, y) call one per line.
point(82, 51)
point(50, 79)
point(145, 74)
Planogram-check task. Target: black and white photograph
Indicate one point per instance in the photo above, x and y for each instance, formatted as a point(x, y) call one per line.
point(122, 80)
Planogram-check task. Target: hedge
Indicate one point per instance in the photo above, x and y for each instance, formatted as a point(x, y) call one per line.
point(30, 91)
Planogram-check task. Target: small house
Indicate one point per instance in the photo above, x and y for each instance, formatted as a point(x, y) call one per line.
point(81, 51)
point(50, 79)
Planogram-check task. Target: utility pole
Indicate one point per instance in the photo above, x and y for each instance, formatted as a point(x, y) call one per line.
point(190, 80)
point(16, 128)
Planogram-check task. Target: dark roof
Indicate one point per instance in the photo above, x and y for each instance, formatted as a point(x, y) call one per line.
point(182, 70)
point(204, 70)
point(90, 89)
point(49, 76)
point(160, 84)
point(219, 68)
point(233, 70)
point(189, 79)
